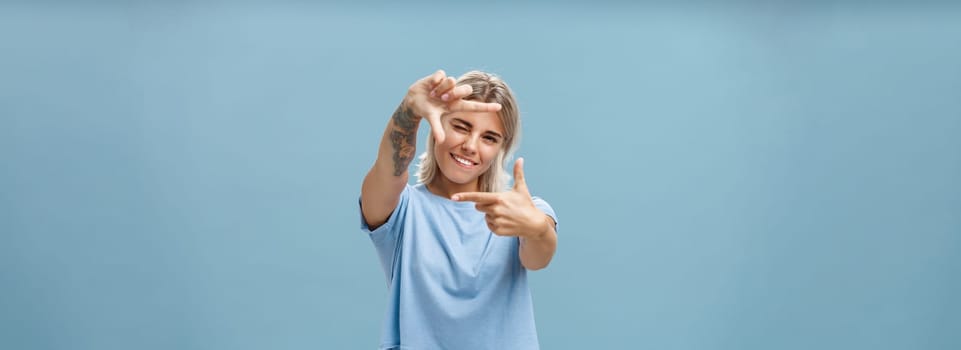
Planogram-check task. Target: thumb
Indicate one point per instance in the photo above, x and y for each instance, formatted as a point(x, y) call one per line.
point(436, 128)
point(519, 183)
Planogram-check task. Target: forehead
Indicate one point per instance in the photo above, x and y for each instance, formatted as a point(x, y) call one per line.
point(480, 120)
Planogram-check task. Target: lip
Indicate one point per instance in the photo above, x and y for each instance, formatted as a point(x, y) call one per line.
point(473, 163)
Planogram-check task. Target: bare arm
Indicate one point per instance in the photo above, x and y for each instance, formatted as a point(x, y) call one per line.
point(513, 213)
point(386, 179)
point(428, 98)
point(537, 250)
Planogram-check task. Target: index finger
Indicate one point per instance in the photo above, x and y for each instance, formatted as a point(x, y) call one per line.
point(474, 106)
point(477, 197)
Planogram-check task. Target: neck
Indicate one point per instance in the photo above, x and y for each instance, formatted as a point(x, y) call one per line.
point(443, 187)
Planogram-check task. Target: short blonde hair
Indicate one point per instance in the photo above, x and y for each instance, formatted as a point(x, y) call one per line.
point(487, 88)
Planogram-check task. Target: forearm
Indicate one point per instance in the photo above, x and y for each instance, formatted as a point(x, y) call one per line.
point(536, 251)
point(399, 144)
point(386, 179)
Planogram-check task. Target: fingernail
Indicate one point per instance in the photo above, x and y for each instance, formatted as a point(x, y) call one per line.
point(445, 97)
point(455, 197)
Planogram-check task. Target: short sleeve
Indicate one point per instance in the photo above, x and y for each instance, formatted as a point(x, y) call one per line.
point(386, 236)
point(547, 209)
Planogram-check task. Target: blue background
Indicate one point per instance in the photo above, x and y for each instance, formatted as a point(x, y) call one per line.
point(748, 175)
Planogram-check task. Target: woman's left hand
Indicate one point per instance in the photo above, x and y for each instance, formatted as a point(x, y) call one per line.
point(510, 213)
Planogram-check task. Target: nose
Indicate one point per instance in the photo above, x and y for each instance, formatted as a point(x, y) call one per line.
point(470, 145)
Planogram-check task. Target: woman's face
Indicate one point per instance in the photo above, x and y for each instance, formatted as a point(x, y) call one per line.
point(472, 141)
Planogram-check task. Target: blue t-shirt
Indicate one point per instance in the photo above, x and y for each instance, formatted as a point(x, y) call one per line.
point(452, 283)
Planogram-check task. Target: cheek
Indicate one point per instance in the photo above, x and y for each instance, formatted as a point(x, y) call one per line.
point(490, 152)
point(440, 152)
point(451, 139)
point(444, 146)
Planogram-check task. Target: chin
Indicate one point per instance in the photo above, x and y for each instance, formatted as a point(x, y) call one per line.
point(459, 178)
point(454, 173)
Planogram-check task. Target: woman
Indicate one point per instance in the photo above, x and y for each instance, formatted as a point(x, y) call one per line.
point(455, 247)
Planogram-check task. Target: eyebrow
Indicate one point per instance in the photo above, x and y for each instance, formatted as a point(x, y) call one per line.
point(469, 125)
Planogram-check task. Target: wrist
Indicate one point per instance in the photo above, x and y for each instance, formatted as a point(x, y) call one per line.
point(406, 105)
point(542, 229)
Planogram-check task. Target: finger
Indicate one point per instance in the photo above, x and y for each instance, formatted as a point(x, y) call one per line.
point(474, 106)
point(491, 226)
point(448, 95)
point(486, 208)
point(477, 197)
point(491, 220)
point(495, 224)
point(459, 92)
point(520, 184)
point(437, 77)
point(436, 128)
point(494, 210)
point(499, 227)
point(443, 87)
point(432, 80)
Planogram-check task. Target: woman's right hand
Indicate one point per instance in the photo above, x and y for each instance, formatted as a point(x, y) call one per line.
point(436, 95)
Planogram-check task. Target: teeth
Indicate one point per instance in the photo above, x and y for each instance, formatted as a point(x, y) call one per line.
point(463, 161)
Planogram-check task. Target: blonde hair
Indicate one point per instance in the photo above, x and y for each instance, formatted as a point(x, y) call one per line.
point(487, 88)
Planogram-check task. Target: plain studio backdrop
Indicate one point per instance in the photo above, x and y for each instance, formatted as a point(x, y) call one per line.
point(747, 175)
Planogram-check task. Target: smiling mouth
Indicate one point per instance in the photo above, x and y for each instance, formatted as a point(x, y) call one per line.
point(462, 162)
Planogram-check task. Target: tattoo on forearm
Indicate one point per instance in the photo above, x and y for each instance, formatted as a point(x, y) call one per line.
point(403, 138)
